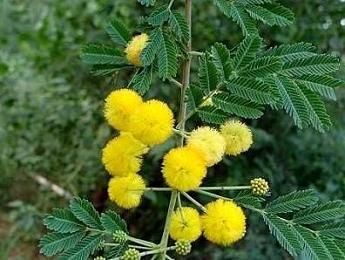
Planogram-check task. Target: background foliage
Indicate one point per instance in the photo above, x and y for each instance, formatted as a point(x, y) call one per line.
point(51, 118)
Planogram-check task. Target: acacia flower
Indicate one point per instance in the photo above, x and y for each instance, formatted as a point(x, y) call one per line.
point(135, 47)
point(126, 191)
point(224, 222)
point(152, 122)
point(119, 105)
point(184, 168)
point(123, 155)
point(238, 137)
point(185, 224)
point(209, 142)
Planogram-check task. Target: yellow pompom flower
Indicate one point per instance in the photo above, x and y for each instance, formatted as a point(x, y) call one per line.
point(184, 168)
point(223, 223)
point(185, 224)
point(209, 142)
point(152, 122)
point(135, 47)
point(119, 105)
point(126, 191)
point(123, 155)
point(238, 137)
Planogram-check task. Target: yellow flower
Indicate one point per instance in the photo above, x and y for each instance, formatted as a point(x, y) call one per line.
point(185, 224)
point(183, 169)
point(152, 122)
point(119, 105)
point(135, 47)
point(209, 142)
point(223, 223)
point(126, 191)
point(238, 137)
point(123, 155)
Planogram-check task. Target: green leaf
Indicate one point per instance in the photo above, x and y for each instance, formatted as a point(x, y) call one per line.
point(117, 251)
point(237, 106)
point(62, 221)
point(238, 14)
point(313, 245)
point(194, 97)
point(332, 248)
point(148, 54)
point(98, 54)
point(85, 212)
point(291, 52)
point(246, 51)
point(207, 74)
point(292, 202)
point(118, 33)
point(54, 243)
point(253, 2)
point(83, 248)
point(167, 58)
point(284, 232)
point(340, 244)
point(322, 84)
point(323, 212)
point(319, 118)
point(142, 80)
point(333, 230)
point(111, 222)
point(248, 200)
point(106, 69)
point(251, 89)
point(159, 16)
point(318, 64)
point(212, 115)
point(179, 26)
point(241, 17)
point(147, 2)
point(272, 14)
point(292, 100)
point(262, 67)
point(220, 56)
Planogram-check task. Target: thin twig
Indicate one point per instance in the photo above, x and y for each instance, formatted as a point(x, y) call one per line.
point(43, 181)
point(195, 202)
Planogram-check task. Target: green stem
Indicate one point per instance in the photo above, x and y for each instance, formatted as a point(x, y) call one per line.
point(131, 246)
point(181, 125)
point(175, 82)
point(213, 195)
point(195, 202)
point(159, 250)
point(196, 53)
point(141, 242)
point(226, 188)
point(165, 236)
point(191, 113)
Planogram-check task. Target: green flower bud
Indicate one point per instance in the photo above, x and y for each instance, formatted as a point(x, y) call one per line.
point(119, 236)
point(131, 254)
point(259, 186)
point(183, 247)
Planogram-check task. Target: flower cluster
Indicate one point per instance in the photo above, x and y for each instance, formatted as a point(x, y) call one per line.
point(223, 223)
point(141, 125)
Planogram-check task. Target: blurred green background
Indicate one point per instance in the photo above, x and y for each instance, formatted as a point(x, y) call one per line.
point(51, 121)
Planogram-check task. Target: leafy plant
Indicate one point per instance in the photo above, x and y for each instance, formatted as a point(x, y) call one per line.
point(244, 82)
